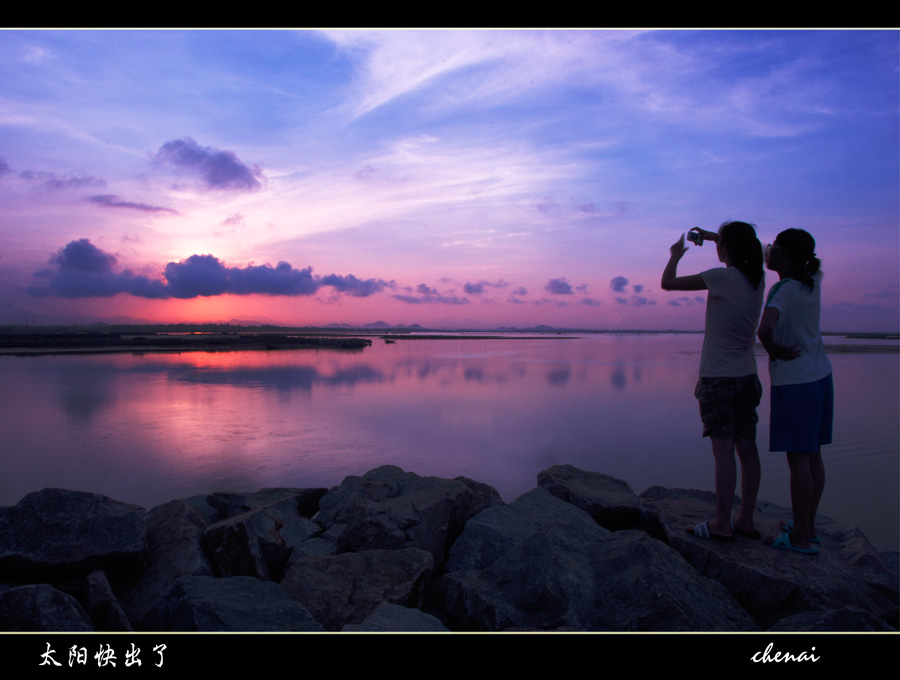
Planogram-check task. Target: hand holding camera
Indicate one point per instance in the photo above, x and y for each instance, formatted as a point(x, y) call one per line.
point(697, 236)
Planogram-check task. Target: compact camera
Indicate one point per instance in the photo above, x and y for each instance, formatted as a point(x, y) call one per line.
point(695, 237)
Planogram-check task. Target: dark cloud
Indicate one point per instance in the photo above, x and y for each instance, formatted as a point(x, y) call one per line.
point(637, 288)
point(618, 284)
point(53, 182)
point(4, 166)
point(353, 286)
point(478, 287)
point(112, 201)
point(635, 301)
point(428, 295)
point(218, 169)
point(590, 302)
point(474, 288)
point(559, 286)
point(83, 256)
point(83, 270)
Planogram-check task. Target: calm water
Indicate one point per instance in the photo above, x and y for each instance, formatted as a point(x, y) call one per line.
point(147, 429)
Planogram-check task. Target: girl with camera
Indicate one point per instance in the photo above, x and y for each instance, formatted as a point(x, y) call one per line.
point(728, 389)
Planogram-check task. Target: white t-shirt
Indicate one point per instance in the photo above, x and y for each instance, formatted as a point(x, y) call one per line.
point(732, 315)
point(798, 325)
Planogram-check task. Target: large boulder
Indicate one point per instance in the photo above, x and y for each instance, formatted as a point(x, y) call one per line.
point(347, 588)
point(103, 607)
point(41, 607)
point(491, 533)
point(231, 503)
point(610, 501)
point(259, 542)
point(773, 584)
point(392, 618)
point(848, 618)
point(554, 581)
point(236, 604)
point(388, 508)
point(175, 548)
point(57, 534)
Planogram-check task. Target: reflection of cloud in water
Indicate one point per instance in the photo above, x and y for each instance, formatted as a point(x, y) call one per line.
point(85, 390)
point(281, 378)
point(617, 378)
point(558, 376)
point(474, 373)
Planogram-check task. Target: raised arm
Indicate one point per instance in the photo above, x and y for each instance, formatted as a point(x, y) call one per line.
point(671, 280)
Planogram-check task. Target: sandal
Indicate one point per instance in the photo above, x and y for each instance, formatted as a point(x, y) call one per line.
point(789, 527)
point(783, 541)
point(702, 531)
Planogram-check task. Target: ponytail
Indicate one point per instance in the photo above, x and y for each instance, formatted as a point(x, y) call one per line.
point(800, 248)
point(745, 250)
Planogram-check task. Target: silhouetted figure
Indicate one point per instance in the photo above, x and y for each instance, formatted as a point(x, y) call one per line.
point(802, 387)
point(728, 389)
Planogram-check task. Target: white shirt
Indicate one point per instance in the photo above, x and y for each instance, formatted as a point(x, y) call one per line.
point(799, 309)
point(732, 315)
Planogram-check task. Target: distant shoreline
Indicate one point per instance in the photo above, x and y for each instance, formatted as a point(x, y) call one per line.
point(97, 342)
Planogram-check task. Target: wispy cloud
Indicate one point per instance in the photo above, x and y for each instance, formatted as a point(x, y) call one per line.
point(51, 181)
point(112, 201)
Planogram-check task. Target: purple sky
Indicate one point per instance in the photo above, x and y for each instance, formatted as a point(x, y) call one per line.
point(446, 178)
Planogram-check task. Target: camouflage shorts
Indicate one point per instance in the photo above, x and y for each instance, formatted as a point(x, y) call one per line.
point(728, 406)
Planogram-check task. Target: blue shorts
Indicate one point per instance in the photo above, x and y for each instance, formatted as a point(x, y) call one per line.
point(802, 416)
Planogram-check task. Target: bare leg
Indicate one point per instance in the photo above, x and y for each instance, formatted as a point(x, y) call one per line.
point(726, 479)
point(817, 468)
point(802, 494)
point(750, 478)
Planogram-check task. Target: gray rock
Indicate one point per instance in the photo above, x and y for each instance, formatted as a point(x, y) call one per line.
point(236, 604)
point(229, 504)
point(552, 581)
point(102, 605)
point(259, 542)
point(772, 584)
point(491, 533)
point(346, 588)
point(610, 501)
point(70, 534)
point(392, 618)
point(845, 619)
point(175, 548)
point(41, 607)
point(891, 560)
point(388, 508)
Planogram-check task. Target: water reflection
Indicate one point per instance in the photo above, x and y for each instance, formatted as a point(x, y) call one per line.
point(149, 428)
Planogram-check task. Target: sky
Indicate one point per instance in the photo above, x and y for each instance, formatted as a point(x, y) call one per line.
point(446, 178)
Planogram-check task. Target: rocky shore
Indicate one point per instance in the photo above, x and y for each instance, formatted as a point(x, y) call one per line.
point(393, 551)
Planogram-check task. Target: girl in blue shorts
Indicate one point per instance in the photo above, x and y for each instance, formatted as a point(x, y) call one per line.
point(802, 390)
point(728, 389)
